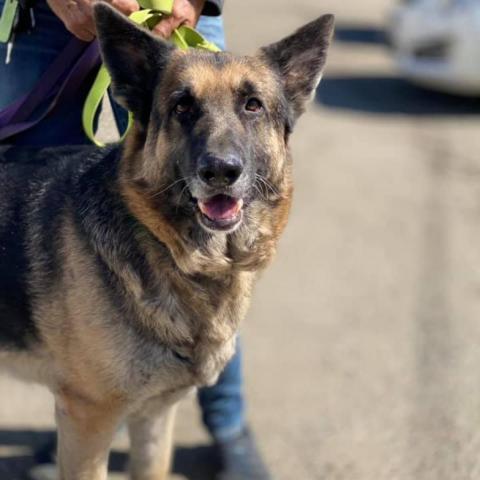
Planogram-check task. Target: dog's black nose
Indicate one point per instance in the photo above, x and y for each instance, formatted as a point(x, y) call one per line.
point(219, 171)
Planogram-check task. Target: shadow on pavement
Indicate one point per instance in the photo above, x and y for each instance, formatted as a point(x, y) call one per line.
point(194, 463)
point(21, 450)
point(358, 33)
point(390, 95)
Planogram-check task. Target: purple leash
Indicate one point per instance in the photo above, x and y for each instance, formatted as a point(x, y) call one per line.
point(60, 81)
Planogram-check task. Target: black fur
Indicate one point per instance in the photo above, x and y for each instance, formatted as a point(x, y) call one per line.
point(22, 175)
point(133, 81)
point(16, 325)
point(39, 190)
point(300, 58)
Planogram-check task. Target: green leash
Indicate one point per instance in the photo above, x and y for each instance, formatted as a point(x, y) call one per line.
point(7, 20)
point(151, 13)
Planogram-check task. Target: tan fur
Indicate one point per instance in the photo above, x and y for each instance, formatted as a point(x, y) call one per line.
point(151, 442)
point(85, 430)
point(207, 77)
point(189, 260)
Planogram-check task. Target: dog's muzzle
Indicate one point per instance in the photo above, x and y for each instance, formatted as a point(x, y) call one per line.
point(220, 204)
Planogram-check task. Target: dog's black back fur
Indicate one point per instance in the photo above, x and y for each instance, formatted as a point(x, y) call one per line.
point(16, 326)
point(35, 187)
point(39, 189)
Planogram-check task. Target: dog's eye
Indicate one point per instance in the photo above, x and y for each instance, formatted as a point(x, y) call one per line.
point(184, 105)
point(253, 105)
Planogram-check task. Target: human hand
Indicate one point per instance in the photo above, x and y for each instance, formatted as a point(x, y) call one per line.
point(184, 12)
point(77, 15)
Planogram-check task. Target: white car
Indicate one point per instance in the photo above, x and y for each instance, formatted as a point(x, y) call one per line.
point(436, 43)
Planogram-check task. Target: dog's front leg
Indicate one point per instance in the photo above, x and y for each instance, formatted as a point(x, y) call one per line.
point(85, 432)
point(151, 443)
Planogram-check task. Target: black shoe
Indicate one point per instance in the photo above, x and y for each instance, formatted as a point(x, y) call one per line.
point(240, 459)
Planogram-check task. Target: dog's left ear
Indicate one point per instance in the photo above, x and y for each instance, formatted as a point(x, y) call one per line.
point(300, 58)
point(134, 57)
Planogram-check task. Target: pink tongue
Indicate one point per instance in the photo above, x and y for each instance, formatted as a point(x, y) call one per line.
point(220, 207)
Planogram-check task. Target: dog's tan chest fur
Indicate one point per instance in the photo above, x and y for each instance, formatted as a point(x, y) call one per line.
point(179, 334)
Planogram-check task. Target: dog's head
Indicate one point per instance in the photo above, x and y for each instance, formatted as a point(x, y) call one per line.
point(209, 150)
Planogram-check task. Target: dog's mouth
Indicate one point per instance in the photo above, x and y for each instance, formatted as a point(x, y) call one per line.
point(220, 212)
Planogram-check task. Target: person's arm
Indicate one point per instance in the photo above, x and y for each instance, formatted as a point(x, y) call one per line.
point(77, 15)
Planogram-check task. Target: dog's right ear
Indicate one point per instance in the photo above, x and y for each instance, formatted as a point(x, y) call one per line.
point(299, 60)
point(134, 58)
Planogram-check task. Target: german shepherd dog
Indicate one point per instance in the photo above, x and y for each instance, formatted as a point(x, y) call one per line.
point(125, 271)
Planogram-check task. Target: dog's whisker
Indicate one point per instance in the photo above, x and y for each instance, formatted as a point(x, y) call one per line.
point(273, 188)
point(180, 197)
point(183, 191)
point(260, 187)
point(267, 184)
point(170, 186)
point(264, 190)
point(260, 184)
point(259, 191)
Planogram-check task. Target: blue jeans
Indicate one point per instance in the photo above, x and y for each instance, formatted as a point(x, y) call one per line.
point(31, 56)
point(222, 405)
